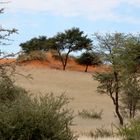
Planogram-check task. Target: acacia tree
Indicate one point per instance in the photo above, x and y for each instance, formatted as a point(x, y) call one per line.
point(35, 44)
point(71, 40)
point(130, 75)
point(110, 83)
point(89, 59)
point(122, 53)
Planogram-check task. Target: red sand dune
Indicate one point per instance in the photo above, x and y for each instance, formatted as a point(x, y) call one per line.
point(3, 61)
point(55, 64)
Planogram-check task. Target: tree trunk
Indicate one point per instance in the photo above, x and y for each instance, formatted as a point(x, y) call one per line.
point(117, 108)
point(130, 112)
point(86, 68)
point(62, 60)
point(134, 111)
point(66, 60)
point(64, 67)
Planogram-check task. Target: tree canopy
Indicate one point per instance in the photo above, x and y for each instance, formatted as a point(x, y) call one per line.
point(71, 40)
point(121, 52)
point(89, 59)
point(34, 44)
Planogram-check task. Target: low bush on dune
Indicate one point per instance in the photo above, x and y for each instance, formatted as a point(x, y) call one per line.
point(26, 118)
point(57, 57)
point(90, 114)
point(33, 55)
point(101, 133)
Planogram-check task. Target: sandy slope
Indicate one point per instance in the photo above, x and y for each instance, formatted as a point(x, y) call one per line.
point(78, 85)
point(87, 138)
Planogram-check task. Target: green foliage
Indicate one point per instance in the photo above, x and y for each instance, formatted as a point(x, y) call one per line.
point(130, 131)
point(34, 44)
point(90, 114)
point(23, 117)
point(89, 59)
point(106, 82)
point(46, 118)
point(122, 53)
point(71, 40)
point(121, 83)
point(34, 55)
point(129, 64)
point(130, 96)
point(9, 92)
point(109, 45)
point(131, 54)
point(66, 42)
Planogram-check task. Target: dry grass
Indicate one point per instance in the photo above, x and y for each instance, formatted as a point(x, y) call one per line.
point(90, 114)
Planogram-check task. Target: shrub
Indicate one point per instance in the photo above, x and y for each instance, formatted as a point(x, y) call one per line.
point(46, 118)
point(89, 59)
point(130, 131)
point(9, 92)
point(101, 133)
point(90, 114)
point(34, 55)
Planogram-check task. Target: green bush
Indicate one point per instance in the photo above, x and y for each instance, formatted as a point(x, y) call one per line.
point(9, 92)
point(46, 118)
point(131, 131)
point(33, 55)
point(89, 59)
point(26, 118)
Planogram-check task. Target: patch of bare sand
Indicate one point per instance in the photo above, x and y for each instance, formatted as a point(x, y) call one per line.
point(88, 138)
point(77, 85)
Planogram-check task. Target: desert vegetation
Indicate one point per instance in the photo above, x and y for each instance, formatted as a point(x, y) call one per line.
point(117, 49)
point(89, 58)
point(70, 40)
point(90, 114)
point(24, 116)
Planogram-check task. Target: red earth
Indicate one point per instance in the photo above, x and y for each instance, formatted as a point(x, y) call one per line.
point(55, 64)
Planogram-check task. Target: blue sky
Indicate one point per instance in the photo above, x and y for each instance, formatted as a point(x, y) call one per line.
point(34, 18)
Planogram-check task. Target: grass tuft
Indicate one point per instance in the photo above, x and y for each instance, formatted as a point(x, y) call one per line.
point(90, 114)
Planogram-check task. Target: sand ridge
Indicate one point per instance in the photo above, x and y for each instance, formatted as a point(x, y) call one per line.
point(79, 86)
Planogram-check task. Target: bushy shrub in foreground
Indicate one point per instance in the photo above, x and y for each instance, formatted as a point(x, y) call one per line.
point(9, 92)
point(23, 118)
